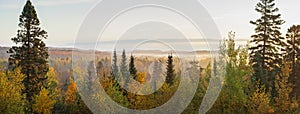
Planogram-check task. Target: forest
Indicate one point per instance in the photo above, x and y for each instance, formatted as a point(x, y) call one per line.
point(256, 78)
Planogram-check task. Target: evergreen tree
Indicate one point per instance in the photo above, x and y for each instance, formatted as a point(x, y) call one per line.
point(30, 54)
point(170, 71)
point(132, 69)
point(89, 81)
point(115, 69)
point(124, 67)
point(266, 43)
point(215, 68)
point(293, 55)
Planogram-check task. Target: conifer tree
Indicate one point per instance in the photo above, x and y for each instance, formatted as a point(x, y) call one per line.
point(91, 74)
point(115, 69)
point(170, 71)
point(30, 54)
point(293, 55)
point(266, 43)
point(124, 67)
point(132, 69)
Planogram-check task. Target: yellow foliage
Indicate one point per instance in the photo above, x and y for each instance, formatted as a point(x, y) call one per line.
point(43, 102)
point(71, 93)
point(260, 101)
point(10, 92)
point(283, 102)
point(52, 83)
point(141, 76)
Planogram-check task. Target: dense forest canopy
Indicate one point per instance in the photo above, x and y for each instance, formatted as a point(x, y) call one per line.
point(259, 77)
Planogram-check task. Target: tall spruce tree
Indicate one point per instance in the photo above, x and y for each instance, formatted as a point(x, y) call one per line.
point(30, 54)
point(124, 67)
point(114, 68)
point(170, 71)
point(266, 43)
point(90, 74)
point(293, 54)
point(115, 71)
point(132, 69)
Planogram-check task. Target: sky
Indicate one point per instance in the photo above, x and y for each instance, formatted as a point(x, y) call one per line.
point(63, 18)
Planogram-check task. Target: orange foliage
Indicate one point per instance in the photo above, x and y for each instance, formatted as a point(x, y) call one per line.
point(71, 93)
point(141, 76)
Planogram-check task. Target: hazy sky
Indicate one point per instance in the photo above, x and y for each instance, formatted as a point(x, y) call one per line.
point(62, 18)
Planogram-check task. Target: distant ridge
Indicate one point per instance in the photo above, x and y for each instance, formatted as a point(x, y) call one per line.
point(57, 52)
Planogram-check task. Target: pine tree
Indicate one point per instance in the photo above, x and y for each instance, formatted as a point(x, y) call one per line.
point(132, 69)
point(31, 53)
point(91, 74)
point(266, 43)
point(293, 55)
point(215, 73)
point(170, 71)
point(124, 67)
point(115, 69)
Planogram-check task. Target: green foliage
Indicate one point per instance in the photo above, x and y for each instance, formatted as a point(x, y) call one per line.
point(111, 87)
point(33, 87)
point(195, 70)
point(292, 55)
point(132, 69)
point(115, 69)
point(232, 98)
point(170, 71)
point(117, 95)
point(266, 43)
point(124, 67)
point(31, 53)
